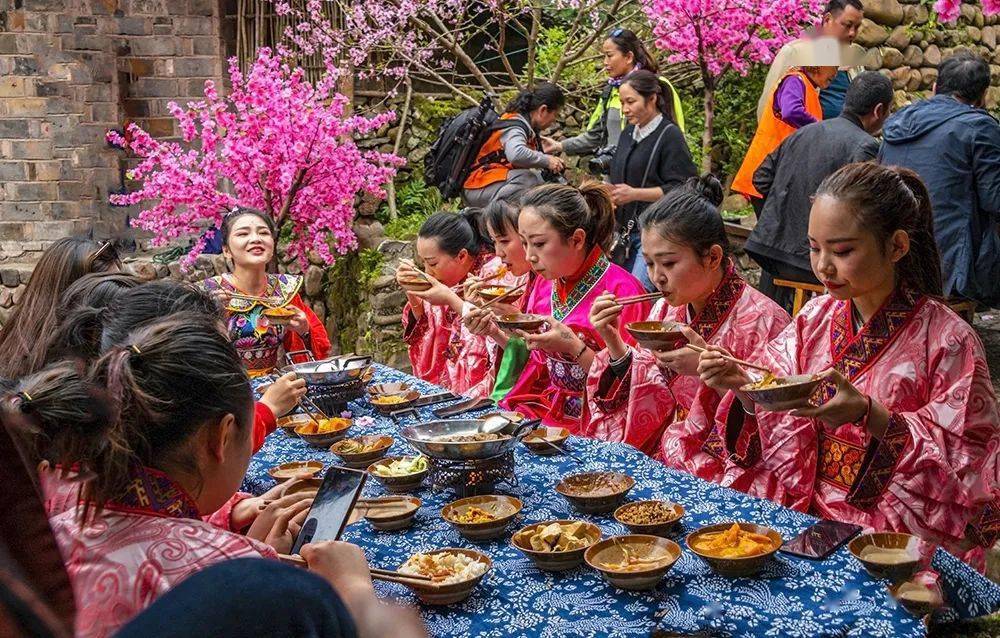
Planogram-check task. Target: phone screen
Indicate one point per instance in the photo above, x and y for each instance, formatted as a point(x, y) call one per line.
point(332, 506)
point(820, 539)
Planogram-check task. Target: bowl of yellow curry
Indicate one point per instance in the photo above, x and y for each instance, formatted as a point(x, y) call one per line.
point(735, 549)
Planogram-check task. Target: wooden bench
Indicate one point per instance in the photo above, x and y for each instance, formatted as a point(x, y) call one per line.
point(964, 308)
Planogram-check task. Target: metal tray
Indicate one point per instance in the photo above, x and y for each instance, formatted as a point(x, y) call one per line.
point(422, 437)
point(332, 371)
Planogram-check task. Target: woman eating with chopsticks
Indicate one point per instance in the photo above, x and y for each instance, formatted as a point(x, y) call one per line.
point(655, 401)
point(902, 432)
point(567, 231)
point(265, 312)
point(441, 349)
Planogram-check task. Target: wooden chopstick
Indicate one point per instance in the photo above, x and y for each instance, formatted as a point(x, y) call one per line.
point(624, 301)
point(740, 362)
point(312, 404)
point(503, 296)
point(496, 275)
point(386, 500)
point(412, 265)
point(376, 571)
point(377, 574)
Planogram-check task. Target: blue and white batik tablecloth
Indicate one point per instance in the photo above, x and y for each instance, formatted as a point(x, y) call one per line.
point(793, 597)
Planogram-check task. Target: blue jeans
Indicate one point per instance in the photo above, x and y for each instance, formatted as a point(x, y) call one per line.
point(246, 596)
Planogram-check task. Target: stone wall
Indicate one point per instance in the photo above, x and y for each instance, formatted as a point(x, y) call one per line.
point(905, 43)
point(72, 69)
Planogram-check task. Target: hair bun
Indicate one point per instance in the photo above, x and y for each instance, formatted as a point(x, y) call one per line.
point(707, 187)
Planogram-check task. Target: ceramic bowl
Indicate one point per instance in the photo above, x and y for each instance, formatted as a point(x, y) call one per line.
point(527, 323)
point(387, 403)
point(326, 439)
point(390, 518)
point(414, 284)
point(295, 470)
point(361, 460)
point(536, 440)
point(554, 561)
point(657, 335)
point(660, 527)
point(657, 554)
point(386, 389)
point(891, 555)
point(736, 567)
point(290, 422)
point(296, 486)
point(917, 598)
point(495, 292)
point(279, 316)
point(398, 484)
point(587, 494)
point(432, 594)
point(504, 508)
point(794, 388)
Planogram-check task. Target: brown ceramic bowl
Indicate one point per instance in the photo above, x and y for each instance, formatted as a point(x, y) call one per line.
point(297, 486)
point(504, 508)
point(536, 440)
point(385, 389)
point(660, 527)
point(387, 403)
point(554, 561)
point(323, 439)
point(657, 335)
point(295, 470)
point(361, 460)
point(917, 598)
point(279, 316)
point(433, 594)
point(891, 555)
point(527, 323)
point(495, 292)
point(394, 517)
point(606, 555)
point(793, 388)
point(736, 567)
point(414, 284)
point(292, 421)
point(586, 492)
point(398, 484)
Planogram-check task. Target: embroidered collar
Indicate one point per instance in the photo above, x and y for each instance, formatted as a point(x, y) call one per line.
point(563, 306)
point(152, 492)
point(565, 285)
point(281, 288)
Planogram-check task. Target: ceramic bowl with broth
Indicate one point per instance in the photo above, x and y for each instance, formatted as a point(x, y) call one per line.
point(636, 562)
point(893, 556)
point(295, 470)
point(480, 518)
point(752, 547)
point(391, 514)
point(539, 440)
point(527, 323)
point(359, 452)
point(595, 492)
point(386, 404)
point(657, 335)
point(414, 284)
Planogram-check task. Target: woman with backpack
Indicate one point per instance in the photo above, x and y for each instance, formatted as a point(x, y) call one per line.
point(509, 162)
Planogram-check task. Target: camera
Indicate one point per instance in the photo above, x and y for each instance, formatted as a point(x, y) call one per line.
point(600, 163)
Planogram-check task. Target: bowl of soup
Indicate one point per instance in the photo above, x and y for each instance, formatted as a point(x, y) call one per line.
point(657, 335)
point(893, 556)
point(735, 549)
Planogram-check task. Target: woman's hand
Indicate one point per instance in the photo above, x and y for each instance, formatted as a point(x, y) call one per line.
point(623, 194)
point(299, 322)
point(472, 286)
point(684, 361)
point(848, 405)
point(280, 521)
point(558, 339)
point(721, 374)
point(440, 295)
point(550, 146)
point(343, 565)
point(556, 165)
point(284, 394)
point(245, 512)
point(479, 322)
point(605, 316)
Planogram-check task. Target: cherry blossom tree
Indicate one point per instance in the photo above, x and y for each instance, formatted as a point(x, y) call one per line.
point(276, 142)
point(950, 10)
point(723, 36)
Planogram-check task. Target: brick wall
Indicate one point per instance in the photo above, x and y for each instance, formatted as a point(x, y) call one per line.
point(70, 70)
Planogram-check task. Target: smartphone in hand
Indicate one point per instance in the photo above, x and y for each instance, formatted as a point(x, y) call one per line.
point(331, 509)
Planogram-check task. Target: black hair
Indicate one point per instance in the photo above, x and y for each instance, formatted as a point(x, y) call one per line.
point(628, 42)
point(83, 308)
point(647, 84)
point(498, 216)
point(567, 208)
point(457, 231)
point(836, 7)
point(151, 302)
point(240, 211)
point(690, 216)
point(885, 199)
point(965, 76)
point(867, 91)
point(541, 94)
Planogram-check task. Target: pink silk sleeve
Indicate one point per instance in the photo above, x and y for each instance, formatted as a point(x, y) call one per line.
point(222, 518)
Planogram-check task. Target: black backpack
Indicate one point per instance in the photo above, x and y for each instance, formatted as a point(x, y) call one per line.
point(452, 157)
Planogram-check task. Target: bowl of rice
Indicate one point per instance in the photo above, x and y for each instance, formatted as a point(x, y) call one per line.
point(455, 573)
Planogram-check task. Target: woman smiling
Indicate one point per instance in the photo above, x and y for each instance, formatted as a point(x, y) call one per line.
point(265, 311)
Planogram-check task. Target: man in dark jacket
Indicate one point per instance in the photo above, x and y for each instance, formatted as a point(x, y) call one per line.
point(790, 175)
point(955, 147)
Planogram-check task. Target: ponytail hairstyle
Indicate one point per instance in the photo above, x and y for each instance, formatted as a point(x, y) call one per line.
point(689, 216)
point(541, 94)
point(647, 84)
point(628, 42)
point(887, 199)
point(567, 208)
point(84, 307)
point(457, 231)
point(497, 216)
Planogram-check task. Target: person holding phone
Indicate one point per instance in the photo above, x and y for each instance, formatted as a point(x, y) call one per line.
point(651, 159)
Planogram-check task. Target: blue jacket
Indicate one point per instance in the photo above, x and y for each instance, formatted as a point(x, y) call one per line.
point(955, 148)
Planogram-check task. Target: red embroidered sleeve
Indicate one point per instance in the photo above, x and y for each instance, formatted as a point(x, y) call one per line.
point(264, 422)
point(879, 464)
point(742, 436)
point(613, 390)
point(413, 327)
point(984, 529)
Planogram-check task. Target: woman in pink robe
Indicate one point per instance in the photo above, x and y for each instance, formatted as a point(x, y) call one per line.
point(902, 434)
point(566, 232)
point(441, 350)
point(655, 400)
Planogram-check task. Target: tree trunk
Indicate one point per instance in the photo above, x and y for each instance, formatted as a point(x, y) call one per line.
point(706, 138)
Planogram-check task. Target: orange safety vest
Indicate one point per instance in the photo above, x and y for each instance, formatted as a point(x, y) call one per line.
point(490, 170)
point(770, 133)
